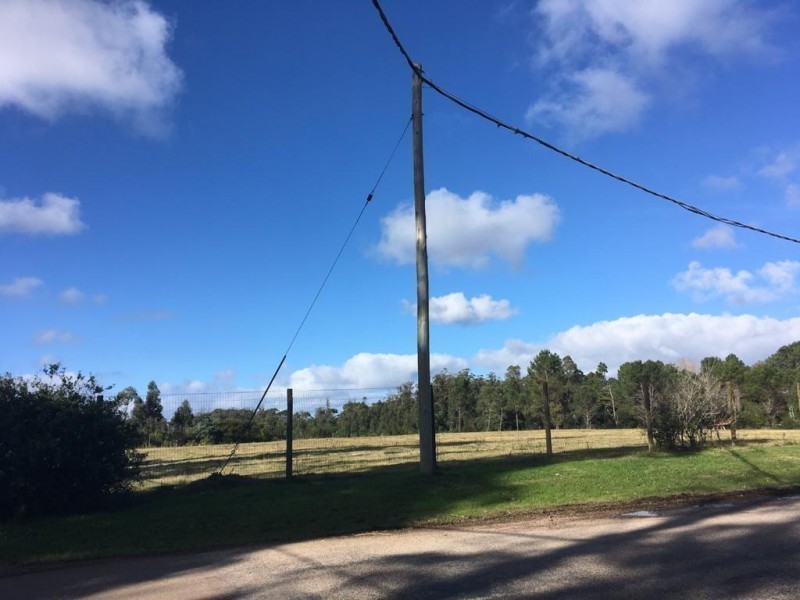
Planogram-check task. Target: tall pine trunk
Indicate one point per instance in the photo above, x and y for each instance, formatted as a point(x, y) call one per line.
point(648, 416)
point(547, 425)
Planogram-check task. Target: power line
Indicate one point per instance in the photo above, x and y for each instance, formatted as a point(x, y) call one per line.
point(317, 295)
point(516, 130)
point(347, 239)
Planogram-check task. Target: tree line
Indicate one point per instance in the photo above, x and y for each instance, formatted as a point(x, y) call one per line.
point(66, 446)
point(680, 404)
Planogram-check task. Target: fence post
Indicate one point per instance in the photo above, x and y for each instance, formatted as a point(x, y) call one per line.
point(289, 414)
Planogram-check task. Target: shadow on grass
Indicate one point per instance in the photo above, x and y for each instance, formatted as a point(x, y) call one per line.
point(232, 511)
point(157, 468)
point(189, 467)
point(756, 468)
point(340, 459)
point(340, 464)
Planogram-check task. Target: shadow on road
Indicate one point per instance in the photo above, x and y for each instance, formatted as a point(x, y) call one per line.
point(706, 552)
point(687, 555)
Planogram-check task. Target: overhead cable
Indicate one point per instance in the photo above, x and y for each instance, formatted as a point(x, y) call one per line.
point(516, 130)
point(246, 428)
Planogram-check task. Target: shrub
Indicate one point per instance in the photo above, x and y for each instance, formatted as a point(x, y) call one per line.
point(62, 447)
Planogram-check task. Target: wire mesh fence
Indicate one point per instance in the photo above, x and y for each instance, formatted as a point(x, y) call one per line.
point(336, 431)
point(333, 431)
point(203, 429)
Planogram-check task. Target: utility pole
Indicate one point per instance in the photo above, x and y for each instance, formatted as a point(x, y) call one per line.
point(427, 443)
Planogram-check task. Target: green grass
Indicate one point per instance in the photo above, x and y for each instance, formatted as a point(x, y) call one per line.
point(168, 466)
point(233, 510)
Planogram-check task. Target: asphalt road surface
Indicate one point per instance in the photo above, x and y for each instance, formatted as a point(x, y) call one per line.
point(743, 550)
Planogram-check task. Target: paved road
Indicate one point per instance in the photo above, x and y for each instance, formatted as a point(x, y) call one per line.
point(747, 550)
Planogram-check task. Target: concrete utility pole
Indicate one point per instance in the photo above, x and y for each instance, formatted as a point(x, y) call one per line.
point(427, 443)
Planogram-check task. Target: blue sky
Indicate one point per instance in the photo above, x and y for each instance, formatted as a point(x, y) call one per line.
point(176, 178)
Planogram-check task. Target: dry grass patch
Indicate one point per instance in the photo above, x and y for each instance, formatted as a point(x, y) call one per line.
point(177, 465)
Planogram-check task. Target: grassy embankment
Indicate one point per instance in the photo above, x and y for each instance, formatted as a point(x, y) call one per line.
point(231, 511)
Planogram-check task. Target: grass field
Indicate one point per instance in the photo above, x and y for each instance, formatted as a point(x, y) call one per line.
point(167, 466)
point(482, 476)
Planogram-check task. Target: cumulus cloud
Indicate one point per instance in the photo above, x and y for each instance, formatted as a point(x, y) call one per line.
point(83, 54)
point(771, 282)
point(514, 352)
point(591, 103)
point(781, 275)
point(467, 232)
point(718, 281)
point(366, 370)
point(54, 336)
point(456, 308)
point(611, 47)
point(716, 237)
point(55, 214)
point(21, 287)
point(668, 337)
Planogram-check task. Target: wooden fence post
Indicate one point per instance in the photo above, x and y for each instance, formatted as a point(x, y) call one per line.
point(289, 432)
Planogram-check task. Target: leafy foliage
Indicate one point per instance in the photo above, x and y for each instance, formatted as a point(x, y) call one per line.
point(62, 447)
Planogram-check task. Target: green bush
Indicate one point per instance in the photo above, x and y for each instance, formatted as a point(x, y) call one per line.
point(62, 447)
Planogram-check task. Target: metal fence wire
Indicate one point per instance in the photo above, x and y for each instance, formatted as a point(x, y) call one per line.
point(338, 431)
point(333, 431)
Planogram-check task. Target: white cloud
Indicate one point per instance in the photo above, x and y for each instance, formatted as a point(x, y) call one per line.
point(221, 382)
point(55, 214)
point(592, 102)
point(456, 308)
point(21, 287)
point(513, 352)
point(781, 275)
point(366, 370)
point(668, 337)
point(716, 237)
point(623, 48)
point(467, 232)
point(52, 336)
point(58, 56)
point(777, 281)
point(75, 296)
point(648, 30)
point(782, 164)
point(714, 282)
point(71, 296)
point(793, 195)
point(715, 182)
